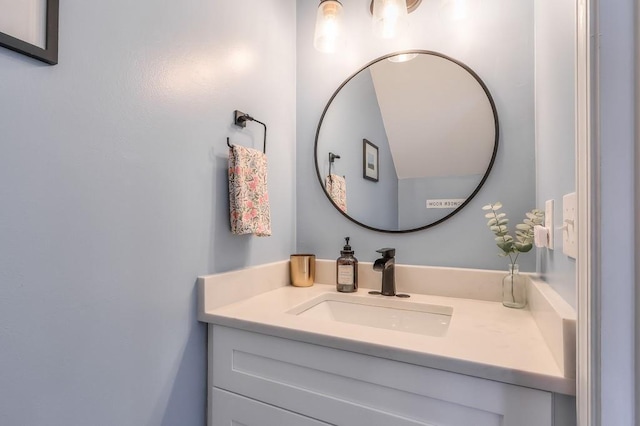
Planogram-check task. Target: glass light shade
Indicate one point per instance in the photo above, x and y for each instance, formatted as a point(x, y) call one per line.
point(390, 18)
point(328, 31)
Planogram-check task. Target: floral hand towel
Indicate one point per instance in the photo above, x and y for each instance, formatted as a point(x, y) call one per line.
point(248, 198)
point(337, 189)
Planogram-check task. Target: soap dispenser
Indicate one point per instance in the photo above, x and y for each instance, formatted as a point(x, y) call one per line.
point(347, 270)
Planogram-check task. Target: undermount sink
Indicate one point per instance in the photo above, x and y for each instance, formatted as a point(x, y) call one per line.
point(391, 314)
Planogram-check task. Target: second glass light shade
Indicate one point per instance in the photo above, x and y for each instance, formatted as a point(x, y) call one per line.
point(390, 18)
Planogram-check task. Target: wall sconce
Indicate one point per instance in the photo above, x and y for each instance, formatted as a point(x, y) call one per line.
point(328, 26)
point(390, 17)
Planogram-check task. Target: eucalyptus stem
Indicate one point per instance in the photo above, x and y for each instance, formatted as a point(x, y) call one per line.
point(495, 216)
point(512, 277)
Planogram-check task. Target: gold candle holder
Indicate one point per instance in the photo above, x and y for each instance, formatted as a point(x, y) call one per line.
point(303, 269)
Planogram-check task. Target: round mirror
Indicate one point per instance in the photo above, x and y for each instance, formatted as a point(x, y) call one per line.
point(406, 142)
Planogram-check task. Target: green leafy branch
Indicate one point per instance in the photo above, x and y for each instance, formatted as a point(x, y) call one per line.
point(524, 231)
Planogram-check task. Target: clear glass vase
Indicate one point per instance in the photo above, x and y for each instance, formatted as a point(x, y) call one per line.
point(514, 290)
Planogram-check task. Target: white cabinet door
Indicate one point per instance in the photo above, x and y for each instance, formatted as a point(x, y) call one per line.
point(352, 389)
point(229, 409)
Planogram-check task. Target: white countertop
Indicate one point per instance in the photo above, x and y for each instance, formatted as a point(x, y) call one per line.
point(484, 338)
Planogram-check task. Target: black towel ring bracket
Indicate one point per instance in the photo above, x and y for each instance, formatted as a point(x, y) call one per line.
point(240, 120)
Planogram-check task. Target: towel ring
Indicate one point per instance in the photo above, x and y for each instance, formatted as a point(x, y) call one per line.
point(332, 159)
point(240, 120)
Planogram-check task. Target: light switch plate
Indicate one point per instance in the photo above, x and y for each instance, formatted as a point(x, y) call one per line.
point(569, 225)
point(548, 221)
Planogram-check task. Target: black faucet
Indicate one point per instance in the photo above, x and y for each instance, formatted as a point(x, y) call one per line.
point(387, 265)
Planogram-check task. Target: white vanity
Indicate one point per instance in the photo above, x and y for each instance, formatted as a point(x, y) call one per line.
point(281, 355)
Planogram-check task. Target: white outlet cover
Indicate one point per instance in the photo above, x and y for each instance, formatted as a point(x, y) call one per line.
point(548, 221)
point(569, 225)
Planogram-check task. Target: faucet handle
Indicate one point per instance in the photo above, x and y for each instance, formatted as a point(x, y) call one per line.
point(387, 252)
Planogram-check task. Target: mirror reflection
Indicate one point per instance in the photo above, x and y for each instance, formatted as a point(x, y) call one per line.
point(406, 142)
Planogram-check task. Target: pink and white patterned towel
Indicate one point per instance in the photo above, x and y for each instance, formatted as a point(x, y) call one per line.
point(249, 211)
point(337, 190)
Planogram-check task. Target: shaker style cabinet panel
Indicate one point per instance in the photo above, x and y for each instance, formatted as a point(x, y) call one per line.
point(229, 409)
point(352, 389)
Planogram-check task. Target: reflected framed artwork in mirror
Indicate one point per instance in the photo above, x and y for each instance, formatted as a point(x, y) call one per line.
point(436, 133)
point(30, 27)
point(370, 161)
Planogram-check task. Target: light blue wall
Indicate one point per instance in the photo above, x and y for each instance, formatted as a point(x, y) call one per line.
point(496, 41)
point(555, 130)
point(114, 199)
point(354, 115)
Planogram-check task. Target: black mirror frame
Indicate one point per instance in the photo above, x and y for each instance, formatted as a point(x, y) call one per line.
point(48, 55)
point(475, 191)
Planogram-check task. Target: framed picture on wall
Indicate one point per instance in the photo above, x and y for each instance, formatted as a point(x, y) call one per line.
point(30, 27)
point(370, 161)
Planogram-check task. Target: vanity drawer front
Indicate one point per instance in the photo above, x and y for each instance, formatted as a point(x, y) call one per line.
point(229, 409)
point(346, 388)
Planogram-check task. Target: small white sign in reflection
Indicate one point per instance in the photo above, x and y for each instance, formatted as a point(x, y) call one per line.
point(453, 203)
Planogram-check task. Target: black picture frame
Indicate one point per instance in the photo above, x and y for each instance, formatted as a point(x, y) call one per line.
point(47, 55)
point(370, 161)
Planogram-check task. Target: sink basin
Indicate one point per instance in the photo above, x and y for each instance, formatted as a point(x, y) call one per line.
point(391, 313)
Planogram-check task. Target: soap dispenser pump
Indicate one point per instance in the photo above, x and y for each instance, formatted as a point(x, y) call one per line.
point(347, 270)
